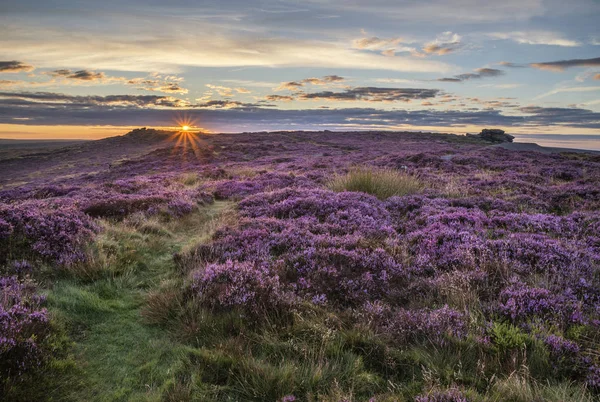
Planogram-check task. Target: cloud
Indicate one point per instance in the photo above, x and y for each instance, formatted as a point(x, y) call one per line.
point(155, 83)
point(170, 88)
point(52, 100)
point(568, 89)
point(561, 65)
point(372, 94)
point(11, 83)
point(535, 38)
point(279, 98)
point(435, 12)
point(512, 65)
point(221, 90)
point(562, 116)
point(223, 116)
point(296, 85)
point(83, 75)
point(251, 83)
point(126, 49)
point(478, 74)
point(14, 67)
point(386, 46)
point(445, 43)
point(375, 43)
point(223, 104)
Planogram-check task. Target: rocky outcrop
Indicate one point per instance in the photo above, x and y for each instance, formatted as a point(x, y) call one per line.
point(493, 135)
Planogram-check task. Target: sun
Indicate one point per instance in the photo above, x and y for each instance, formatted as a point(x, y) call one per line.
point(185, 128)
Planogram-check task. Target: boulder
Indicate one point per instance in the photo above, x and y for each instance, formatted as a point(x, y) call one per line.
point(494, 135)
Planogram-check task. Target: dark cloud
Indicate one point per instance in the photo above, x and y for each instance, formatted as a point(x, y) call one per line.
point(55, 100)
point(279, 98)
point(83, 75)
point(478, 74)
point(562, 116)
point(14, 67)
point(561, 65)
point(42, 108)
point(223, 104)
point(373, 94)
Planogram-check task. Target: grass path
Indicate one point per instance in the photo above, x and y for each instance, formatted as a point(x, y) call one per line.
point(121, 357)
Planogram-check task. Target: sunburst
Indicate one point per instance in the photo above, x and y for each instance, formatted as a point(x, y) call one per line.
point(186, 137)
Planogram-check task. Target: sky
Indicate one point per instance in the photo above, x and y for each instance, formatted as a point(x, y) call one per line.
point(91, 69)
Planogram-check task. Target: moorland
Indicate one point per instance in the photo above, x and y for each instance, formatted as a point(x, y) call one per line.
point(299, 266)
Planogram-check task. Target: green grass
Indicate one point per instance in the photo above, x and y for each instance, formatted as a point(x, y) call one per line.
point(119, 355)
point(382, 183)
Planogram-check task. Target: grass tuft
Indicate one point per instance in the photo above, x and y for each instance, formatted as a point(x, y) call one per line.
point(382, 183)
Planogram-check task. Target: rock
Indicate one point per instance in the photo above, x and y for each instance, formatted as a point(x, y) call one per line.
point(494, 135)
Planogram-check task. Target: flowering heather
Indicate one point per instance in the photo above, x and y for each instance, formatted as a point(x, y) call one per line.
point(248, 286)
point(489, 248)
point(450, 395)
point(23, 326)
point(56, 231)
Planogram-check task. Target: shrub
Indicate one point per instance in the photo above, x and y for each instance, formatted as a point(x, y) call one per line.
point(382, 183)
point(251, 287)
point(24, 326)
point(55, 231)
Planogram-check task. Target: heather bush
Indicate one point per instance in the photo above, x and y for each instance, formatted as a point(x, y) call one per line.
point(434, 326)
point(55, 231)
point(247, 286)
point(263, 182)
point(344, 213)
point(24, 326)
point(382, 183)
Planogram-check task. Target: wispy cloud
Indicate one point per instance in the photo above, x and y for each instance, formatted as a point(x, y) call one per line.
point(512, 65)
point(83, 75)
point(561, 65)
point(295, 85)
point(51, 99)
point(567, 89)
point(376, 43)
point(386, 46)
point(478, 74)
point(445, 43)
point(535, 38)
point(372, 94)
point(129, 52)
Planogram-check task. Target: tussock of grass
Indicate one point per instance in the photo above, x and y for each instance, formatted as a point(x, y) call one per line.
point(517, 387)
point(382, 183)
point(189, 179)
